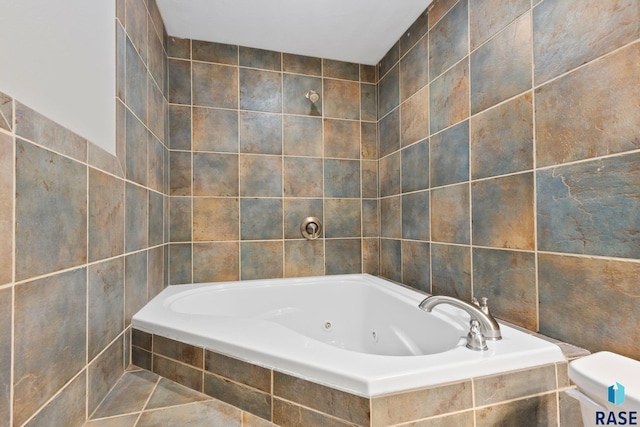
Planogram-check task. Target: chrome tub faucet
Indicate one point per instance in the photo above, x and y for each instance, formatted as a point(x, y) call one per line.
point(489, 328)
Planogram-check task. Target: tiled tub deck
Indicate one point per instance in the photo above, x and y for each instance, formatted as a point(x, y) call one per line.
point(532, 397)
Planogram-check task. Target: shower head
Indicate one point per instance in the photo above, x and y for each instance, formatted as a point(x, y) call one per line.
point(312, 96)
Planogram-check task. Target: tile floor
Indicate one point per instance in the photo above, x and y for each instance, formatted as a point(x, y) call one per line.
point(144, 399)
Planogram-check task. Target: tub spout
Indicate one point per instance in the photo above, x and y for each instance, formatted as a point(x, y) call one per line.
point(488, 325)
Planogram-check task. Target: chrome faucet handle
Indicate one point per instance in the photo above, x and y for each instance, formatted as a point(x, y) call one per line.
point(475, 339)
point(482, 304)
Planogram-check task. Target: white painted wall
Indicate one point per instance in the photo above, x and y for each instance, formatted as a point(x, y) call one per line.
point(58, 57)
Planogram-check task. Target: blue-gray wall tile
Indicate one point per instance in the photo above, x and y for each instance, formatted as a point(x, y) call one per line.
point(303, 258)
point(449, 97)
point(390, 175)
point(260, 133)
point(390, 59)
point(591, 208)
point(136, 140)
point(370, 218)
point(51, 212)
point(391, 217)
point(216, 262)
point(215, 218)
point(260, 90)
point(106, 216)
point(180, 173)
point(342, 218)
point(48, 353)
point(503, 212)
point(67, 407)
point(494, 79)
point(156, 219)
point(341, 178)
point(180, 261)
point(177, 47)
point(104, 373)
point(179, 81)
point(7, 195)
point(505, 277)
point(303, 177)
point(136, 217)
point(341, 99)
point(106, 304)
point(136, 82)
point(607, 120)
point(340, 69)
point(261, 219)
point(391, 259)
point(389, 133)
point(295, 88)
point(343, 256)
point(415, 216)
point(261, 260)
point(449, 40)
point(260, 176)
point(302, 136)
point(389, 91)
point(215, 174)
point(219, 53)
point(368, 102)
point(449, 155)
point(450, 214)
point(260, 58)
point(502, 139)
point(135, 284)
point(605, 309)
point(568, 34)
point(342, 138)
point(6, 338)
point(369, 141)
point(414, 118)
point(300, 64)
point(451, 271)
point(214, 85)
point(214, 130)
point(488, 17)
point(416, 265)
point(415, 167)
point(414, 69)
point(180, 219)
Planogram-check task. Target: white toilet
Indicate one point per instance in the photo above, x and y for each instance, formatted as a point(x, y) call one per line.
point(608, 388)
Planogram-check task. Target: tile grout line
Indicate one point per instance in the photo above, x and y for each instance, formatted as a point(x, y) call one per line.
point(14, 174)
point(142, 410)
point(535, 175)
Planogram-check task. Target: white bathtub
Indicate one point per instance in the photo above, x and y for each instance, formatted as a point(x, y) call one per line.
point(356, 333)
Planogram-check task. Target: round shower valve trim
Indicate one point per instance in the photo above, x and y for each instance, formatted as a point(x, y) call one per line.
point(311, 228)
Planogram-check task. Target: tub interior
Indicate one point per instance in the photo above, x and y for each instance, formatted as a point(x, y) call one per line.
point(364, 319)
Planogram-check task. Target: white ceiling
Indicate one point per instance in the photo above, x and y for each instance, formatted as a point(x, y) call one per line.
point(360, 31)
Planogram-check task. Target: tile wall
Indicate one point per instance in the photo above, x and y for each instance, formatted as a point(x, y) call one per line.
point(509, 140)
point(251, 157)
point(82, 237)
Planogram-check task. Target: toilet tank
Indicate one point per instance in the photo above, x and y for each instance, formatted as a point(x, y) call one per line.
point(608, 388)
